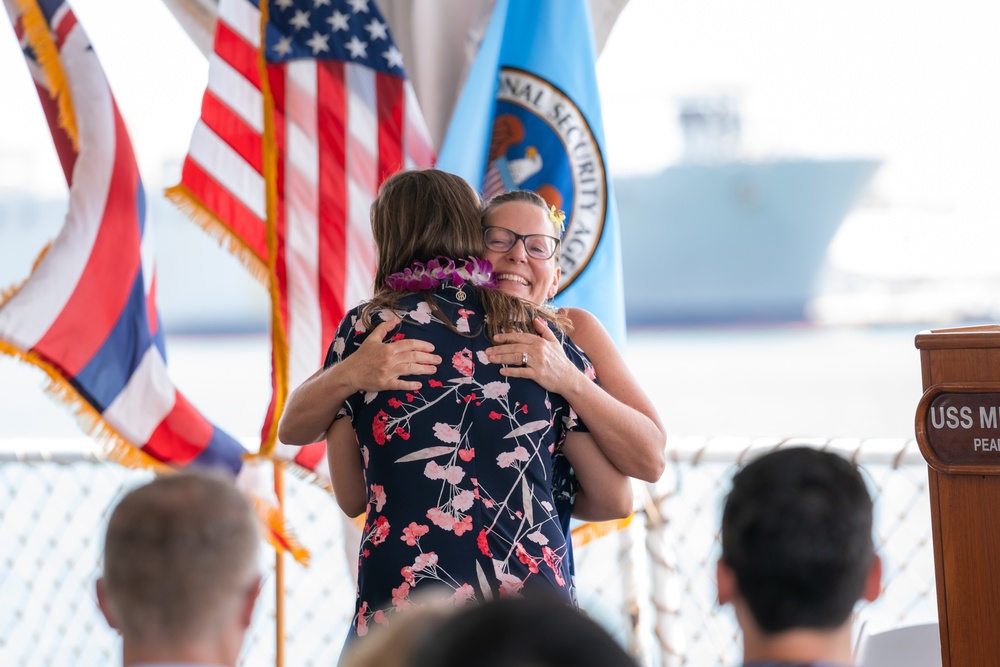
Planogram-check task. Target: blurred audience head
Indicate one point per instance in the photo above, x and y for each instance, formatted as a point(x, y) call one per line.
point(797, 548)
point(520, 632)
point(395, 644)
point(181, 570)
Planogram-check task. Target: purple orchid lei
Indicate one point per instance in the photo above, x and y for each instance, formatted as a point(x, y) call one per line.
point(442, 270)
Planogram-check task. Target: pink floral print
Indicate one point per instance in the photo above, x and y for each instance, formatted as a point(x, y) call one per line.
point(459, 473)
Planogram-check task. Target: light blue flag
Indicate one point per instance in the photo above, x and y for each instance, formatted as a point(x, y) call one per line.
point(529, 117)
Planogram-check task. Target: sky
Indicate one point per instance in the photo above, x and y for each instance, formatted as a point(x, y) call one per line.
point(915, 84)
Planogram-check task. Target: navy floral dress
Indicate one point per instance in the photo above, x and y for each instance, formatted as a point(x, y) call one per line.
point(459, 474)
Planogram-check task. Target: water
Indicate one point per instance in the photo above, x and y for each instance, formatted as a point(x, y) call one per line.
point(852, 371)
point(795, 380)
point(801, 380)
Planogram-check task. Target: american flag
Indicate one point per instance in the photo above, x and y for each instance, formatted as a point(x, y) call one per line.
point(87, 314)
point(291, 158)
point(497, 179)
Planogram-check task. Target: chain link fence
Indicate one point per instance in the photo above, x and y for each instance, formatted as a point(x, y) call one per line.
point(651, 585)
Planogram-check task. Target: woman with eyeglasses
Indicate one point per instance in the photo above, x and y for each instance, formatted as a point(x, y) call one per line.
point(522, 237)
point(455, 476)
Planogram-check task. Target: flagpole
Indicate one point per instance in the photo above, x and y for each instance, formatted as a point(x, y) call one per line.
point(279, 571)
point(279, 345)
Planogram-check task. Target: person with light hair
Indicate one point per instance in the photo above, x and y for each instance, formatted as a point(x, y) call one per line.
point(181, 571)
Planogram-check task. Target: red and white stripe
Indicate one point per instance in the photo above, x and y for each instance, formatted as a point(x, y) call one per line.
point(32, 312)
point(340, 130)
point(224, 165)
point(78, 313)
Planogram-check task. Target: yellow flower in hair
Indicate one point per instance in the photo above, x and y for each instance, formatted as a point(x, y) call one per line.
point(558, 218)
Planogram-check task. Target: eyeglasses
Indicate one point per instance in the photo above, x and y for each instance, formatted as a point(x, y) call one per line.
point(538, 246)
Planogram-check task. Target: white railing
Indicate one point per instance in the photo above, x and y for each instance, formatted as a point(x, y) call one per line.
point(652, 585)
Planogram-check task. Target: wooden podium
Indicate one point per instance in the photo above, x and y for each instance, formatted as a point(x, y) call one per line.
point(958, 431)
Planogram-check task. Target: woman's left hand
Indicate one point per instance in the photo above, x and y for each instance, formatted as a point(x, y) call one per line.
point(547, 363)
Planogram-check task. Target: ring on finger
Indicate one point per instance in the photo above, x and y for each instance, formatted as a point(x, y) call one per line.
point(524, 358)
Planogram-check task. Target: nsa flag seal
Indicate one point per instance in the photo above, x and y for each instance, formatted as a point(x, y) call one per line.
point(542, 142)
point(529, 117)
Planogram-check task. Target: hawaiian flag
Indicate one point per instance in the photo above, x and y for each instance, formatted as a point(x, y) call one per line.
point(529, 117)
point(297, 132)
point(87, 314)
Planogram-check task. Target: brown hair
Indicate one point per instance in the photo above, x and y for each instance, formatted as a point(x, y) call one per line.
point(178, 554)
point(421, 214)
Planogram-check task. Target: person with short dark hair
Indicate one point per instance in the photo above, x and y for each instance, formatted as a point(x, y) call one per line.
point(181, 571)
point(797, 554)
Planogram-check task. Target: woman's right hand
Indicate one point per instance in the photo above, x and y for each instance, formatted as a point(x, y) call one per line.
point(374, 366)
point(379, 365)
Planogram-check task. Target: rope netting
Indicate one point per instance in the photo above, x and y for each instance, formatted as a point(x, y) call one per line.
point(651, 585)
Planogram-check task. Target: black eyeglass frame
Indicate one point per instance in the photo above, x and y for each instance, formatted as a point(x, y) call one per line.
point(523, 238)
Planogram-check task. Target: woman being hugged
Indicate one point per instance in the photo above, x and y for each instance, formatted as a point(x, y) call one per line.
point(457, 475)
point(521, 234)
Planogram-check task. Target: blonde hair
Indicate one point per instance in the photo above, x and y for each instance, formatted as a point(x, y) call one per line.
point(530, 197)
point(557, 317)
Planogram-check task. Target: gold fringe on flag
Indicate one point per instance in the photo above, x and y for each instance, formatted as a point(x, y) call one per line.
point(279, 341)
point(119, 450)
point(277, 532)
point(114, 445)
point(310, 476)
point(301, 472)
point(39, 36)
point(8, 293)
point(195, 209)
point(589, 532)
